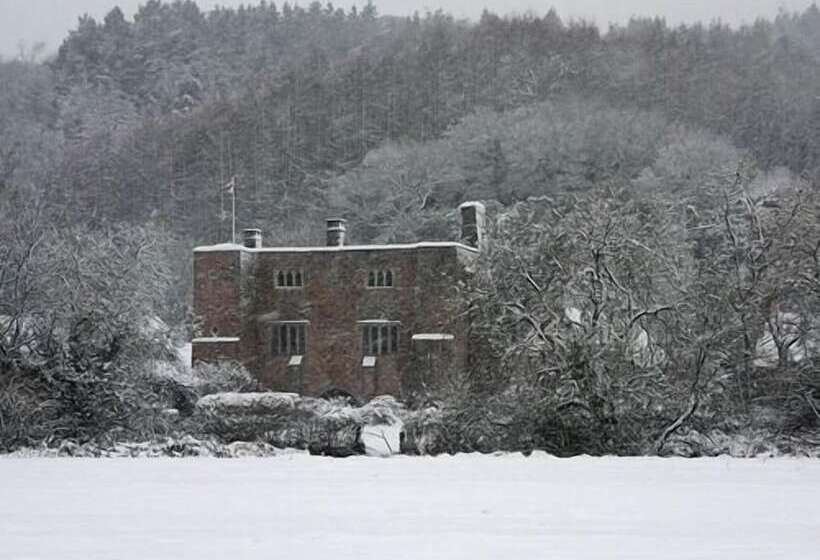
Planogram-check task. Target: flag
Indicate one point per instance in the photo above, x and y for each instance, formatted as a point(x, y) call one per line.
point(230, 186)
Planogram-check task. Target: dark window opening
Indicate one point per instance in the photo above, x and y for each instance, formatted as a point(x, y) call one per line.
point(380, 279)
point(289, 339)
point(380, 339)
point(289, 279)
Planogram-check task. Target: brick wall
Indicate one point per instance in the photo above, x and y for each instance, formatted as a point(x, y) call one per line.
point(217, 297)
point(334, 299)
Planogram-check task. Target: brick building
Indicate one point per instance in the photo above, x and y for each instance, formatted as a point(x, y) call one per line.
point(362, 320)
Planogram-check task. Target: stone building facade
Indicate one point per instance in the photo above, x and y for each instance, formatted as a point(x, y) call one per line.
point(362, 320)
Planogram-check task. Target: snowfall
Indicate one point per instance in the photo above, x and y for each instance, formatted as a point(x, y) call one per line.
point(465, 506)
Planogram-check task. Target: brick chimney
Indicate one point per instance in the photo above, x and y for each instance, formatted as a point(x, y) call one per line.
point(472, 224)
point(252, 238)
point(336, 231)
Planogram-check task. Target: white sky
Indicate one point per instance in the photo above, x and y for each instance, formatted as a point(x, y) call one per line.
point(30, 21)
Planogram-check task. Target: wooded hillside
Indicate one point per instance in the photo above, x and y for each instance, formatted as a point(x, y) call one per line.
point(146, 118)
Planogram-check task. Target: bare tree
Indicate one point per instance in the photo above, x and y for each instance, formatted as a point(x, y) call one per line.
point(79, 323)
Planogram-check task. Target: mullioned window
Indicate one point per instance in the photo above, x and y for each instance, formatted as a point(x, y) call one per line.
point(289, 279)
point(380, 279)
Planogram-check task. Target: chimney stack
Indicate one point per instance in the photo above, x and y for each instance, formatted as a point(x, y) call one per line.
point(472, 224)
point(336, 231)
point(252, 238)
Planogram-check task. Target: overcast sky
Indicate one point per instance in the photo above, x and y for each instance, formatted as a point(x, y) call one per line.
point(30, 21)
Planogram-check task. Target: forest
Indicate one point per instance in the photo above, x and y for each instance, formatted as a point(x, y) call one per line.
point(652, 279)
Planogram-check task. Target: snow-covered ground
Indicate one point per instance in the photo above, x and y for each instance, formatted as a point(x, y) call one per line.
point(468, 506)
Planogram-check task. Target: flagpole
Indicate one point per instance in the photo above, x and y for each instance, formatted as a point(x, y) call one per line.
point(233, 209)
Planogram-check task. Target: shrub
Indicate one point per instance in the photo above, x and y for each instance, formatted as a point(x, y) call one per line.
point(78, 327)
point(43, 405)
point(222, 377)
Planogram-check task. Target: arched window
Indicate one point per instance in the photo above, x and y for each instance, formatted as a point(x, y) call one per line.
point(380, 279)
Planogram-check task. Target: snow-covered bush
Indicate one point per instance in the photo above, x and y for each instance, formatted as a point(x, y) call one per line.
point(222, 377)
point(79, 328)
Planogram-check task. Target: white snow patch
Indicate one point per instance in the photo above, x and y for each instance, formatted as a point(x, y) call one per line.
point(471, 204)
point(219, 247)
point(382, 440)
point(415, 508)
point(215, 339)
point(433, 336)
point(644, 352)
point(799, 337)
point(573, 314)
point(184, 355)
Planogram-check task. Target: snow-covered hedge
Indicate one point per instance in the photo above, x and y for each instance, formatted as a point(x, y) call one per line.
point(287, 420)
point(248, 403)
point(380, 409)
point(185, 446)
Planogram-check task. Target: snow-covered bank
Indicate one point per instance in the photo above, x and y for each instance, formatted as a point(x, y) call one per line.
point(467, 506)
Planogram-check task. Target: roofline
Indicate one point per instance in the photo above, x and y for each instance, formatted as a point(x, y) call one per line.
point(228, 247)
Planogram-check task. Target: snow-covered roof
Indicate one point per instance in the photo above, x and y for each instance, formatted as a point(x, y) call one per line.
point(433, 336)
point(335, 249)
point(215, 339)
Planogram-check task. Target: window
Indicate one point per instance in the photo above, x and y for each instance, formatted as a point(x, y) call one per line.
point(289, 279)
point(289, 339)
point(380, 338)
point(380, 279)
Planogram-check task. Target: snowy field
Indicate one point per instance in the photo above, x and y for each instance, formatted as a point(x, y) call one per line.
point(467, 507)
